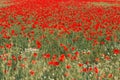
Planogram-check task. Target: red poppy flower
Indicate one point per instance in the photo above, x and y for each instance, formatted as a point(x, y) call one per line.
point(90, 68)
point(97, 59)
point(1, 47)
point(47, 55)
point(19, 57)
point(54, 57)
point(69, 55)
point(54, 63)
point(33, 26)
point(14, 58)
point(96, 70)
point(38, 44)
point(9, 63)
point(62, 57)
point(73, 48)
point(6, 36)
point(23, 28)
point(68, 66)
point(116, 51)
point(107, 58)
point(35, 55)
point(34, 61)
point(84, 69)
point(32, 73)
point(23, 65)
point(110, 75)
point(8, 46)
point(77, 53)
point(80, 64)
point(65, 48)
point(12, 32)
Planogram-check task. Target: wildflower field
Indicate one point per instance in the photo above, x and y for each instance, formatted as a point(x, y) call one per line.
point(59, 40)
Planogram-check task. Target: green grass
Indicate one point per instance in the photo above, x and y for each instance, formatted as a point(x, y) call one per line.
point(105, 4)
point(43, 71)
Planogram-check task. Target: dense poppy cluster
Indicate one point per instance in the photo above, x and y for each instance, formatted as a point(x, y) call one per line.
point(67, 40)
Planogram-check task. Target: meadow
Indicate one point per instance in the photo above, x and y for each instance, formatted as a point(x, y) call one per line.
point(59, 40)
